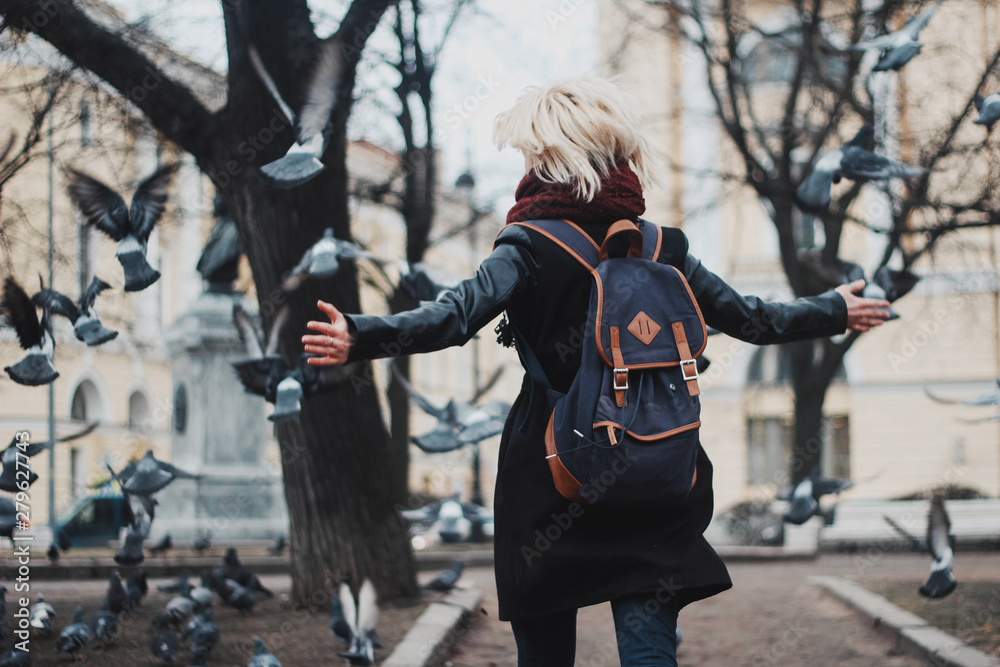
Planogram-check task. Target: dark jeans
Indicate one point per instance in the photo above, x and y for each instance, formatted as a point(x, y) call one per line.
point(646, 630)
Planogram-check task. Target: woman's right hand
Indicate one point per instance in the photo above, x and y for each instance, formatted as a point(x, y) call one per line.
point(334, 344)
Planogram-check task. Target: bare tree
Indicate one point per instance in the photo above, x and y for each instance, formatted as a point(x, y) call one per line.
point(343, 522)
point(826, 92)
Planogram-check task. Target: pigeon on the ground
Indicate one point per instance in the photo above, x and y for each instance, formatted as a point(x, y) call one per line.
point(205, 636)
point(34, 335)
point(853, 161)
point(52, 554)
point(267, 374)
point(202, 544)
point(149, 475)
point(135, 590)
point(163, 643)
point(322, 260)
point(238, 597)
point(361, 618)
point(446, 580)
point(131, 549)
point(15, 658)
point(899, 47)
point(312, 125)
point(261, 657)
point(202, 596)
point(40, 617)
point(804, 498)
point(86, 325)
point(234, 569)
point(105, 624)
point(939, 543)
point(105, 209)
point(176, 586)
point(278, 546)
point(115, 595)
point(74, 636)
point(459, 422)
point(989, 110)
point(9, 481)
point(181, 607)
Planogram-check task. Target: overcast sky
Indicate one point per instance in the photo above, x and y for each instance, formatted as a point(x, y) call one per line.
point(493, 54)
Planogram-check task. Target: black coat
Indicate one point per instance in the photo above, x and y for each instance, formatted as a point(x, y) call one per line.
point(553, 554)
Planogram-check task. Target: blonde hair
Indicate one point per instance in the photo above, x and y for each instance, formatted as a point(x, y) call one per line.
point(575, 132)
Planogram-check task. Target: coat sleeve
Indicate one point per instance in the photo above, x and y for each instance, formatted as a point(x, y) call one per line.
point(458, 314)
point(754, 320)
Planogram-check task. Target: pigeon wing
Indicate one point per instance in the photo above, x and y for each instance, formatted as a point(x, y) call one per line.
point(21, 312)
point(265, 77)
point(813, 194)
point(321, 95)
point(294, 278)
point(150, 200)
point(919, 22)
point(274, 334)
point(938, 528)
point(254, 375)
point(860, 165)
point(248, 332)
point(56, 302)
point(367, 608)
point(100, 205)
point(86, 430)
point(175, 471)
point(350, 610)
point(349, 250)
point(90, 296)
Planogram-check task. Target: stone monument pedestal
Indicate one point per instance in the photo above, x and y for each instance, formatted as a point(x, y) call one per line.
point(220, 433)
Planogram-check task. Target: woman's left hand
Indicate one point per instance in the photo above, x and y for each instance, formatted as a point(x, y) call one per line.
point(862, 313)
point(335, 343)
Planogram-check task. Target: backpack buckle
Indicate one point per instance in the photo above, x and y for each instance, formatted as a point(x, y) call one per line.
point(623, 372)
point(694, 368)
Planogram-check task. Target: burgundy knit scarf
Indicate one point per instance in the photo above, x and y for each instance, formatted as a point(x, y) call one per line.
point(620, 197)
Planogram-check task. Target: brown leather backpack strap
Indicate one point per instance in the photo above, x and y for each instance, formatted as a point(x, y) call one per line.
point(634, 249)
point(620, 381)
point(689, 367)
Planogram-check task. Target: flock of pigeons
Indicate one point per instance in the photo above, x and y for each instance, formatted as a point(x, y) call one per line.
point(130, 226)
point(855, 160)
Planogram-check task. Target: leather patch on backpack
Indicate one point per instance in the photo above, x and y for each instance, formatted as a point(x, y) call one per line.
point(644, 328)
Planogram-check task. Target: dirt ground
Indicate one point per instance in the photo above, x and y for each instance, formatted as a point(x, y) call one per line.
point(971, 612)
point(771, 616)
point(296, 637)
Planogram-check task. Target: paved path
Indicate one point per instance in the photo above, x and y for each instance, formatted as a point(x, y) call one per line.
point(771, 616)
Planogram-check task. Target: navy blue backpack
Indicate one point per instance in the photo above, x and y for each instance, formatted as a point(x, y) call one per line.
point(626, 432)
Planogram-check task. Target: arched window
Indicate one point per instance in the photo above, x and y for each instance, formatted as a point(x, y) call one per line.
point(86, 403)
point(138, 412)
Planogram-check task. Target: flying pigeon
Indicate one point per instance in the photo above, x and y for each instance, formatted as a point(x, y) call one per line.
point(278, 546)
point(40, 617)
point(74, 636)
point(459, 422)
point(115, 595)
point(322, 260)
point(804, 498)
point(163, 643)
point(450, 519)
point(149, 475)
point(86, 325)
point(34, 335)
point(361, 620)
point(129, 226)
point(165, 544)
point(939, 543)
point(852, 161)
point(8, 517)
point(131, 549)
point(267, 374)
point(143, 509)
point(989, 110)
point(15, 658)
point(9, 459)
point(205, 636)
point(220, 259)
point(261, 657)
point(988, 398)
point(312, 126)
point(446, 580)
point(899, 47)
point(104, 627)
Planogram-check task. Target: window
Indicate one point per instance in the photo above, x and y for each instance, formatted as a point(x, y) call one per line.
point(77, 486)
point(138, 412)
point(769, 448)
point(86, 402)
